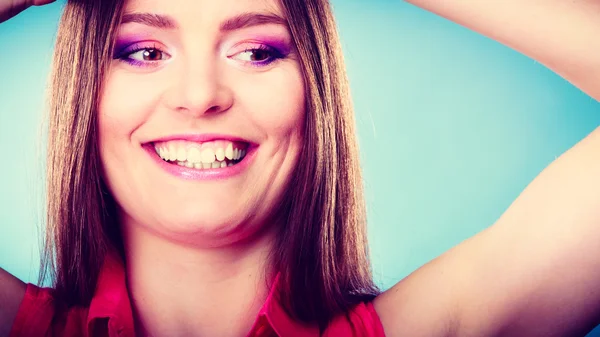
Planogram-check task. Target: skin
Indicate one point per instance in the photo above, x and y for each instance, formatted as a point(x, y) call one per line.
point(214, 235)
point(10, 8)
point(533, 273)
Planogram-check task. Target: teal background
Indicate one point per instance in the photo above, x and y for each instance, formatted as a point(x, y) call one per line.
point(452, 127)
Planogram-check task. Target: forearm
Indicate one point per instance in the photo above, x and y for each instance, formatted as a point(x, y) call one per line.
point(564, 35)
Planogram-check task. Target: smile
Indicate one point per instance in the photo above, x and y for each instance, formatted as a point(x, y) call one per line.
point(202, 157)
point(216, 154)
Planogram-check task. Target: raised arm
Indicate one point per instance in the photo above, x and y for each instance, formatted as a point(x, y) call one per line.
point(536, 271)
point(561, 34)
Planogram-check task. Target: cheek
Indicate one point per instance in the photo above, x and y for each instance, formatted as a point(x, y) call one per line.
point(276, 106)
point(125, 105)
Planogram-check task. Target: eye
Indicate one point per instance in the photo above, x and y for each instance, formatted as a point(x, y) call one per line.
point(142, 55)
point(259, 56)
point(148, 54)
point(254, 55)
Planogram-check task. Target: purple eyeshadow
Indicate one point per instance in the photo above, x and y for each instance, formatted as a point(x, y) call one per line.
point(274, 48)
point(120, 45)
point(281, 46)
point(123, 48)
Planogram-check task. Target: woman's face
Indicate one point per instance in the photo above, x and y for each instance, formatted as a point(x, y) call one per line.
point(201, 117)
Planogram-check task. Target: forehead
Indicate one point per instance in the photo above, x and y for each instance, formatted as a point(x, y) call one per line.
point(203, 11)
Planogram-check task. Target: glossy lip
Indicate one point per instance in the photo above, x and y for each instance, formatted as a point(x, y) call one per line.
point(187, 173)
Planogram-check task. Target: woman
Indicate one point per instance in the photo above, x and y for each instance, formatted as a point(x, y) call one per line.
point(203, 180)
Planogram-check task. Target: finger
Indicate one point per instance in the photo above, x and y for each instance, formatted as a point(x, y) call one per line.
point(12, 9)
point(42, 2)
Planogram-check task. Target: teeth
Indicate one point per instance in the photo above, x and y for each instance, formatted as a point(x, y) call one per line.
point(220, 154)
point(181, 155)
point(199, 156)
point(229, 152)
point(201, 166)
point(163, 153)
point(193, 155)
point(208, 156)
point(172, 152)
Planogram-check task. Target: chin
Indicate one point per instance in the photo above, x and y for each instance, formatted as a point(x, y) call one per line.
point(209, 226)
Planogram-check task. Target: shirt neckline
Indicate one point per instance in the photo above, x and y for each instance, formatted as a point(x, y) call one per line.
point(111, 302)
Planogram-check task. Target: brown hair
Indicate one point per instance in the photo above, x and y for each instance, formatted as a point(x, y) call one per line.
point(321, 252)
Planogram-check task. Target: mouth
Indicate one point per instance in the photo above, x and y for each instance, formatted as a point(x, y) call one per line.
point(216, 154)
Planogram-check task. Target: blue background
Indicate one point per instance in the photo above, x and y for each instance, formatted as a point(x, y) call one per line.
point(452, 127)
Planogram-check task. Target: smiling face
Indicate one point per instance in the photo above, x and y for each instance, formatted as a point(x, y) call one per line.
point(201, 117)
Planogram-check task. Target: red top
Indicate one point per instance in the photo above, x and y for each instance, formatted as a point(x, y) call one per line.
point(109, 314)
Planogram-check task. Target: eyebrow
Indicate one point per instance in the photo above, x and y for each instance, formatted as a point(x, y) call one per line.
point(148, 19)
point(240, 21)
point(246, 20)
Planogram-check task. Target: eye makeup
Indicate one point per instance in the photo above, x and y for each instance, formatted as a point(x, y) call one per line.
point(273, 49)
point(254, 51)
point(123, 43)
point(126, 47)
point(277, 44)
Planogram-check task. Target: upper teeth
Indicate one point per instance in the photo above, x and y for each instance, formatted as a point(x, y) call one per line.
point(206, 153)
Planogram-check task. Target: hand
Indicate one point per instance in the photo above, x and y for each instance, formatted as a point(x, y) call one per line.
point(10, 8)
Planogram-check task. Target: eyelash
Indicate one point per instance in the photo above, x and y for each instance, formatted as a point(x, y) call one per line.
point(273, 53)
point(125, 56)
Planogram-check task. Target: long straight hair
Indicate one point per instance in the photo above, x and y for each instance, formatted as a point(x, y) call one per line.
point(321, 253)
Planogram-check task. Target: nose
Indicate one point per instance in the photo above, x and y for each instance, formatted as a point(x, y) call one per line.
point(198, 89)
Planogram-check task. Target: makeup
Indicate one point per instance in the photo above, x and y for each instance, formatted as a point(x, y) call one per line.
point(260, 51)
point(127, 40)
point(139, 52)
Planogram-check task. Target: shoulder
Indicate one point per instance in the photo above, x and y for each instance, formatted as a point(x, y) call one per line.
point(33, 314)
point(40, 314)
point(360, 321)
point(422, 304)
point(12, 291)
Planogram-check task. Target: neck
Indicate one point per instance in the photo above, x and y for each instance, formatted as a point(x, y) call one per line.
point(180, 290)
